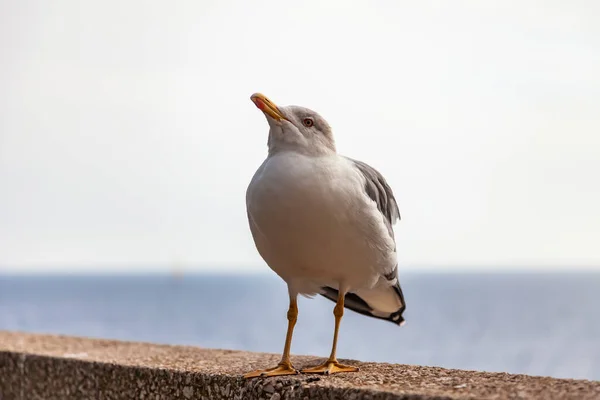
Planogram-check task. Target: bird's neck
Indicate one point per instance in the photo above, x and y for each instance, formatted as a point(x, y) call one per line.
point(276, 145)
point(275, 148)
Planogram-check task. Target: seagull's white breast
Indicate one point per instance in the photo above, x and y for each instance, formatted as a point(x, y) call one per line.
point(314, 225)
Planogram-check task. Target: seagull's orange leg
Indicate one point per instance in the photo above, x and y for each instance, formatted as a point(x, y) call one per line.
point(285, 365)
point(331, 366)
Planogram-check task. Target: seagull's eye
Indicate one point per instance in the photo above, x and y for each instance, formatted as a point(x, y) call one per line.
point(308, 122)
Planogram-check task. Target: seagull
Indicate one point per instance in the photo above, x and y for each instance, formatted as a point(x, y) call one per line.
point(323, 223)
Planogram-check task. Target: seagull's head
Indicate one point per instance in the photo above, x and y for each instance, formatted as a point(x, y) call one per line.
point(295, 128)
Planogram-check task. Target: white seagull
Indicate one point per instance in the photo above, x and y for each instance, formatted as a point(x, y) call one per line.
point(323, 223)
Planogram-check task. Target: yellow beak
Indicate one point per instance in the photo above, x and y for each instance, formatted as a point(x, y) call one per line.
point(267, 106)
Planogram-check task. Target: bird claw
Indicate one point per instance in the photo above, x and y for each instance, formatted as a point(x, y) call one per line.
point(330, 367)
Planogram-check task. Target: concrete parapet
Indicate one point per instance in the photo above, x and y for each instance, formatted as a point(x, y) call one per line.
point(53, 367)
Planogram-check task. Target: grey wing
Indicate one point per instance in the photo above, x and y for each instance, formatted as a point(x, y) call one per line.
point(383, 302)
point(380, 192)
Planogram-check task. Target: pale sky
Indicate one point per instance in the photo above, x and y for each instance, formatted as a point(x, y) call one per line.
point(127, 137)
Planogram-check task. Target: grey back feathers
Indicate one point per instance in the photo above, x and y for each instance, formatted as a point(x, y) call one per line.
point(380, 192)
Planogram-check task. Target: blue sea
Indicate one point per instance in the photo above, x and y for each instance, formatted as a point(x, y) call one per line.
point(533, 323)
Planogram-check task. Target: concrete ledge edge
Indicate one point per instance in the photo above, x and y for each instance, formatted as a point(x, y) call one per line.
point(35, 366)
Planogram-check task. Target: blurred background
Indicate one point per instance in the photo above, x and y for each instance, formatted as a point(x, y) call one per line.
point(127, 141)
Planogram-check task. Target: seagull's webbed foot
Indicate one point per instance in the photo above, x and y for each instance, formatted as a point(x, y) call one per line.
point(282, 368)
point(285, 366)
point(330, 367)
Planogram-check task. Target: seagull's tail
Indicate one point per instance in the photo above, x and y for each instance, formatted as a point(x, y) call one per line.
point(383, 302)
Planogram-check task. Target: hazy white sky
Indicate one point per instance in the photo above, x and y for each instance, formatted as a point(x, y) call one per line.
point(127, 137)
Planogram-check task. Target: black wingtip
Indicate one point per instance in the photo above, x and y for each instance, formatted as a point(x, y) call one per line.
point(353, 302)
point(397, 317)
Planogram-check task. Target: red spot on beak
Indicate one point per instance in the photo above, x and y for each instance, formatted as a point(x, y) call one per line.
point(259, 103)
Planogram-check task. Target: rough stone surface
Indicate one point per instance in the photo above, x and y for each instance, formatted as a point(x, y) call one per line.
point(52, 367)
